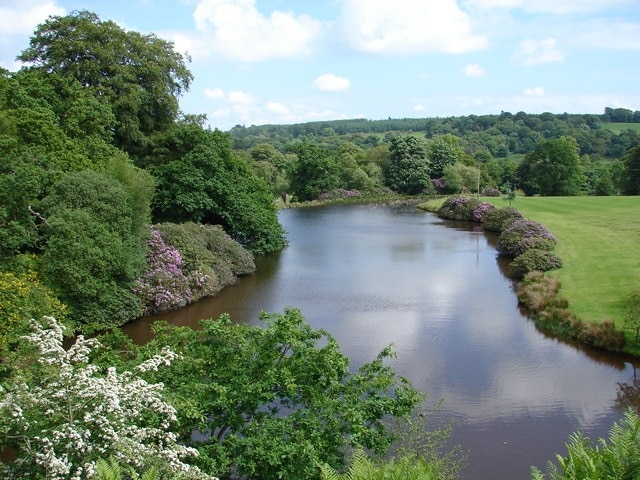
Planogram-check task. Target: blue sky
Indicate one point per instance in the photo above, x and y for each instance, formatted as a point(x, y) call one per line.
point(290, 61)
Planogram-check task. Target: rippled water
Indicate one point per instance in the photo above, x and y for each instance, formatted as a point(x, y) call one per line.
point(374, 275)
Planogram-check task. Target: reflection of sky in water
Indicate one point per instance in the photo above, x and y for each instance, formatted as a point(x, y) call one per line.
point(437, 294)
point(373, 276)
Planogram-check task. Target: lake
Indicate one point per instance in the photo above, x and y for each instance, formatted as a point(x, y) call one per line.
point(373, 275)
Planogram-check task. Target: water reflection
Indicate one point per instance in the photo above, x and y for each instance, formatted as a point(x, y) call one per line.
point(378, 275)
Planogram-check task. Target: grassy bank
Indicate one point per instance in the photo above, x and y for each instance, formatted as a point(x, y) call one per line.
point(599, 242)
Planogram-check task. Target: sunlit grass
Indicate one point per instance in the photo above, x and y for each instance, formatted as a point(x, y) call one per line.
point(599, 243)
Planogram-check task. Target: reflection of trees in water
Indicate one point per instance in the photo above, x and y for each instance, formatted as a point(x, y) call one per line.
point(628, 394)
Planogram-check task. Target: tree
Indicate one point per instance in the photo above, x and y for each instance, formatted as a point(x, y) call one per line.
point(408, 168)
point(91, 255)
point(443, 150)
point(140, 76)
point(553, 168)
point(631, 175)
point(65, 414)
point(276, 400)
point(204, 181)
point(632, 311)
point(315, 171)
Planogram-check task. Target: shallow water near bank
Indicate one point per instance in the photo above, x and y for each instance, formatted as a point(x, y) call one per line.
point(374, 275)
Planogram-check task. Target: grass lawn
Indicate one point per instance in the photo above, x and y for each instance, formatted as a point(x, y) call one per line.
point(599, 243)
point(620, 127)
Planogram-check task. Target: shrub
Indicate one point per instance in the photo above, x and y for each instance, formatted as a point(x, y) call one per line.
point(491, 192)
point(537, 291)
point(339, 194)
point(602, 334)
point(497, 219)
point(464, 208)
point(187, 262)
point(535, 259)
point(517, 238)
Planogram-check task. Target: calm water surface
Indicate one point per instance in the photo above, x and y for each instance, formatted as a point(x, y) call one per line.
point(374, 275)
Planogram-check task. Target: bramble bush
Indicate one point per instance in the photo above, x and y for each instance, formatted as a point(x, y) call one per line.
point(66, 413)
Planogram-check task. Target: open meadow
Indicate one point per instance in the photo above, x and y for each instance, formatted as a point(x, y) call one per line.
point(599, 243)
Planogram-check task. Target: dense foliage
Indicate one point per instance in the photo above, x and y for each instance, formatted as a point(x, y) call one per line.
point(285, 401)
point(65, 414)
point(93, 151)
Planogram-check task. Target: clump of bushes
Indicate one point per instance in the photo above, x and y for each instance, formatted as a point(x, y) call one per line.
point(491, 192)
point(464, 208)
point(497, 219)
point(339, 194)
point(522, 235)
point(187, 262)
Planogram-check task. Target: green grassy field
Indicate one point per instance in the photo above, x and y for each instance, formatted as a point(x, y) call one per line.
point(619, 127)
point(599, 242)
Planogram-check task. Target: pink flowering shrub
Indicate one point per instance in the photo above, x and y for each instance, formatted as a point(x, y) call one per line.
point(464, 208)
point(163, 286)
point(522, 235)
point(339, 193)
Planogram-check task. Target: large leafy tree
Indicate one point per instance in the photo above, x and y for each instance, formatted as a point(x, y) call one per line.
point(140, 76)
point(276, 400)
point(204, 181)
point(408, 169)
point(316, 170)
point(553, 168)
point(92, 252)
point(443, 150)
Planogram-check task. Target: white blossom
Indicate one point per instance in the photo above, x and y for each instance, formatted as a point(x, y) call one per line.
point(75, 415)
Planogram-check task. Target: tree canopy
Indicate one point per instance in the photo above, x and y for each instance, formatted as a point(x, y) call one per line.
point(140, 76)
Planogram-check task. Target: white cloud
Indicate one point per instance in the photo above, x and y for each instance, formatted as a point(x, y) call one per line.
point(534, 92)
point(550, 6)
point(236, 29)
point(239, 98)
point(407, 27)
point(278, 108)
point(474, 70)
point(608, 34)
point(18, 21)
point(534, 52)
point(331, 83)
point(214, 93)
point(418, 107)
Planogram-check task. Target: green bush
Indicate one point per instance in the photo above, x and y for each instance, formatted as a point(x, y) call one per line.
point(497, 219)
point(535, 259)
point(522, 235)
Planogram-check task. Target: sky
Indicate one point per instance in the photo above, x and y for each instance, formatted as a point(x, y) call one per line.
point(259, 62)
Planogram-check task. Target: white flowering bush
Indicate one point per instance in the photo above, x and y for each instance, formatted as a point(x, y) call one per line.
point(65, 414)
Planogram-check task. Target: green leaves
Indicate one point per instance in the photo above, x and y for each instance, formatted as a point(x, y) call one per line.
point(276, 400)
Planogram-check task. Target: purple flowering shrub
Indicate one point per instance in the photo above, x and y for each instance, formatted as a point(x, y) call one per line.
point(497, 219)
point(522, 235)
point(187, 262)
point(439, 184)
point(338, 194)
point(464, 208)
point(163, 286)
